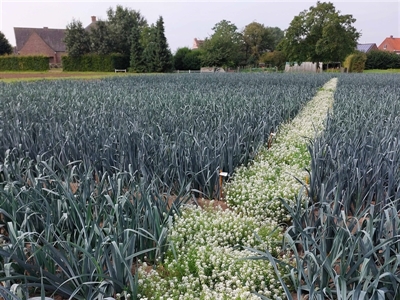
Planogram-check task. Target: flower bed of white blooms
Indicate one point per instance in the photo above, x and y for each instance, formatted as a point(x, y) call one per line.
point(207, 259)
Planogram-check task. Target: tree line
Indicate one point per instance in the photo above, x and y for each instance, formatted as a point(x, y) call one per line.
point(125, 32)
point(319, 34)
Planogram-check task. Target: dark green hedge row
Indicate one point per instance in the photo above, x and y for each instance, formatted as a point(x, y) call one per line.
point(95, 63)
point(24, 63)
point(383, 60)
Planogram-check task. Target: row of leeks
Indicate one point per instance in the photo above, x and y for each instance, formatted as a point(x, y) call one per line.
point(345, 235)
point(92, 173)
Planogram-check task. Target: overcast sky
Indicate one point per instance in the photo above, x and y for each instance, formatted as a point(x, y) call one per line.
point(186, 20)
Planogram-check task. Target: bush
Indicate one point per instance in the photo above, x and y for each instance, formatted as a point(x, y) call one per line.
point(355, 63)
point(24, 63)
point(383, 60)
point(95, 63)
point(275, 58)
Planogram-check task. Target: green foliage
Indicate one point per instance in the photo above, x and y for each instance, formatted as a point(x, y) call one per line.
point(5, 46)
point(355, 63)
point(222, 49)
point(187, 59)
point(137, 63)
point(179, 58)
point(259, 39)
point(95, 63)
point(150, 51)
point(101, 39)
point(163, 57)
point(120, 23)
point(77, 39)
point(383, 60)
point(84, 229)
point(24, 63)
point(320, 35)
point(275, 58)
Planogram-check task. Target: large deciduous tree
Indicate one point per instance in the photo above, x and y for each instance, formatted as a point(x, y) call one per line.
point(5, 47)
point(259, 39)
point(77, 39)
point(223, 48)
point(320, 34)
point(120, 23)
point(101, 41)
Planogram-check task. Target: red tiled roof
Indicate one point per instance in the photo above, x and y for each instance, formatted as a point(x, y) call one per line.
point(390, 44)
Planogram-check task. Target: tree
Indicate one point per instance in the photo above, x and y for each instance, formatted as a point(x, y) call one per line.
point(320, 35)
point(101, 39)
point(276, 35)
point(149, 38)
point(259, 39)
point(137, 63)
point(275, 58)
point(179, 58)
point(5, 47)
point(223, 48)
point(77, 39)
point(187, 59)
point(120, 23)
point(163, 58)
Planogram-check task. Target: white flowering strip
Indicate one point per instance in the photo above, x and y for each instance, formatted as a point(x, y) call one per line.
point(255, 190)
point(207, 260)
point(210, 264)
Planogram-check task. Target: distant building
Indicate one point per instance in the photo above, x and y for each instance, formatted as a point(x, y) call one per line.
point(366, 47)
point(92, 24)
point(40, 41)
point(43, 41)
point(197, 43)
point(391, 44)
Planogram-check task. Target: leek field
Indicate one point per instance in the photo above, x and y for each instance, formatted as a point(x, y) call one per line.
point(95, 175)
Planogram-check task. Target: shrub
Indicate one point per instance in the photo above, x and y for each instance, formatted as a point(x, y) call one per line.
point(379, 59)
point(24, 63)
point(95, 63)
point(355, 63)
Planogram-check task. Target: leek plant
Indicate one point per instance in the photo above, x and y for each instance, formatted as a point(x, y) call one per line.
point(345, 234)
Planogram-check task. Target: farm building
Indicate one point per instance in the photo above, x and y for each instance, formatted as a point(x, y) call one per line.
point(390, 44)
point(366, 47)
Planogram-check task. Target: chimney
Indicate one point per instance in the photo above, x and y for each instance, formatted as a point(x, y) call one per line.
point(93, 19)
point(391, 36)
point(45, 27)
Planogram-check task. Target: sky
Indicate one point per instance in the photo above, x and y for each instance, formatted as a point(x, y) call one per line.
point(186, 20)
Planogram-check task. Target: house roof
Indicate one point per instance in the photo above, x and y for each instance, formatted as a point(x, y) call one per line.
point(52, 37)
point(365, 47)
point(197, 43)
point(391, 43)
point(92, 24)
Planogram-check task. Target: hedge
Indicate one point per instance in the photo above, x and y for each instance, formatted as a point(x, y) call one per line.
point(24, 63)
point(379, 59)
point(95, 63)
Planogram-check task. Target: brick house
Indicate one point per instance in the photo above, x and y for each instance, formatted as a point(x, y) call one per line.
point(41, 41)
point(391, 44)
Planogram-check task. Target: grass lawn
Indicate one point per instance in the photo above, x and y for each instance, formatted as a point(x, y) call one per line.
point(12, 76)
point(382, 71)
